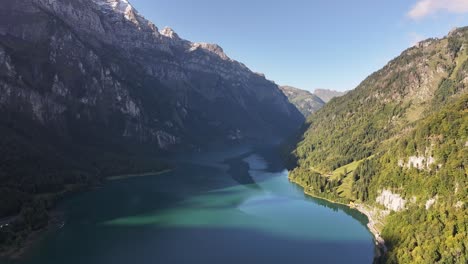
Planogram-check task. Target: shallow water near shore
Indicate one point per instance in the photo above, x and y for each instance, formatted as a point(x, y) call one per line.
point(227, 206)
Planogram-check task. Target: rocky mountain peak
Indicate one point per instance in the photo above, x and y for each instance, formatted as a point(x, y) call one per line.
point(166, 39)
point(125, 8)
point(120, 6)
point(212, 48)
point(170, 33)
point(326, 94)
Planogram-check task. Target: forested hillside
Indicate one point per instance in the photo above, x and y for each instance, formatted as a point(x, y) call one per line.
point(398, 144)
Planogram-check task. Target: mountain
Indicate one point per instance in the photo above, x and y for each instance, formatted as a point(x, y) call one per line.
point(397, 147)
point(305, 101)
point(100, 64)
point(326, 95)
point(90, 88)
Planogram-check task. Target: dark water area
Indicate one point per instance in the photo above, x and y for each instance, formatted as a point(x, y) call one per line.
point(231, 205)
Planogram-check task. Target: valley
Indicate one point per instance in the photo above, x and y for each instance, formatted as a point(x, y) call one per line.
point(203, 209)
point(122, 142)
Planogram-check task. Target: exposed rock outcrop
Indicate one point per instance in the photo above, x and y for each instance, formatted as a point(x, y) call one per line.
point(420, 162)
point(431, 202)
point(391, 201)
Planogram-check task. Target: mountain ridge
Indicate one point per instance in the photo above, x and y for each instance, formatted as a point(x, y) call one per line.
point(326, 94)
point(305, 101)
point(90, 89)
point(171, 61)
point(397, 146)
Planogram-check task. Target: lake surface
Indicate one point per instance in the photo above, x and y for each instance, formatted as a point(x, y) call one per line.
point(229, 206)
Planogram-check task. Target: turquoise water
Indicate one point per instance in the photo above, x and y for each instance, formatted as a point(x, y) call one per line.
point(228, 206)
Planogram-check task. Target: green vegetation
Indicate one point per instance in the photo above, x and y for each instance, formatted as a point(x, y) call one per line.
point(427, 236)
point(37, 168)
point(437, 234)
point(361, 144)
point(306, 102)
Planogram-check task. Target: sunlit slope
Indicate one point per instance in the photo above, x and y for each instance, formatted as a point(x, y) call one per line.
point(406, 128)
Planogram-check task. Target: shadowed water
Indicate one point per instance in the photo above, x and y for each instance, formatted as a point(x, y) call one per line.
point(228, 206)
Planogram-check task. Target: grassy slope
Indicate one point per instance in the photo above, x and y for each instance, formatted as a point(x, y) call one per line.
point(345, 189)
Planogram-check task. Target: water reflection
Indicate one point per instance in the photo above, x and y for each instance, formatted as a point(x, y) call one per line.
point(202, 212)
point(263, 201)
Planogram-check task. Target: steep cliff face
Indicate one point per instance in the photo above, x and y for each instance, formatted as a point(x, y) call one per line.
point(90, 88)
point(101, 67)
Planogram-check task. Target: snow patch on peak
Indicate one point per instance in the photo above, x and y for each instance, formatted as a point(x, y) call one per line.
point(212, 48)
point(170, 33)
point(120, 6)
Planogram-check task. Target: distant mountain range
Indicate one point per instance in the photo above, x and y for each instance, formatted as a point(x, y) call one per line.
point(308, 102)
point(326, 95)
point(305, 101)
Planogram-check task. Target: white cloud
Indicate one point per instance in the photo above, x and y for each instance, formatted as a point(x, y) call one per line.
point(425, 8)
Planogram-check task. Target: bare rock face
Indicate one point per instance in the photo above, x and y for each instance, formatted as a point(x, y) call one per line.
point(420, 162)
point(170, 33)
point(99, 66)
point(391, 201)
point(431, 202)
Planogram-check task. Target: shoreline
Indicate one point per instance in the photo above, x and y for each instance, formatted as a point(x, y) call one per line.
point(56, 220)
point(18, 252)
point(135, 175)
point(371, 225)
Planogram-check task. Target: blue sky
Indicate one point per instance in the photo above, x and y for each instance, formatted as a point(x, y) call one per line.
point(331, 44)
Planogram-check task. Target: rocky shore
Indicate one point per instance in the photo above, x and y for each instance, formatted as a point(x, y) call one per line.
point(372, 225)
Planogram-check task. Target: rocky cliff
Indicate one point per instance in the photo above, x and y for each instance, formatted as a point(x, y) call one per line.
point(101, 68)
